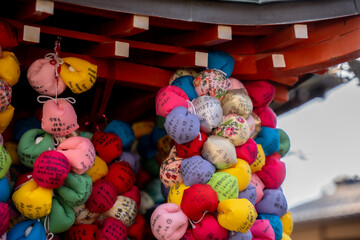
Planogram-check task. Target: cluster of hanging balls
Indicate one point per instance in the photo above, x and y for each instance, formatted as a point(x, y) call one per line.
point(223, 176)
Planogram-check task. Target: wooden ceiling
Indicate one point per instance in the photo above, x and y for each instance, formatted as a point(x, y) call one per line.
point(139, 53)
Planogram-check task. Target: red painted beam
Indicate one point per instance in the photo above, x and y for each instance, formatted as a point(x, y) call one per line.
point(35, 10)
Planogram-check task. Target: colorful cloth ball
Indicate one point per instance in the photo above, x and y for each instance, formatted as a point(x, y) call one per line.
point(238, 102)
point(5, 95)
point(186, 84)
point(82, 232)
point(37, 198)
point(188, 235)
point(197, 199)
point(51, 169)
point(267, 116)
point(112, 229)
point(259, 162)
point(236, 84)
point(154, 190)
point(219, 151)
point(11, 147)
point(209, 227)
point(284, 143)
point(137, 231)
point(273, 202)
point(102, 197)
point(235, 128)
point(241, 171)
point(134, 194)
point(76, 189)
point(259, 185)
point(80, 153)
point(124, 209)
point(107, 145)
point(196, 170)
point(236, 214)
point(249, 193)
point(255, 125)
point(98, 170)
point(5, 161)
point(142, 128)
point(176, 193)
point(41, 77)
point(84, 216)
point(131, 158)
point(78, 74)
point(181, 125)
point(274, 172)
point(287, 223)
point(6, 117)
point(5, 189)
point(121, 176)
point(168, 222)
point(209, 111)
point(170, 172)
point(168, 98)
point(61, 217)
point(32, 143)
point(247, 151)
point(9, 68)
point(59, 118)
point(5, 217)
point(28, 230)
point(222, 61)
point(164, 146)
point(191, 148)
point(260, 92)
point(240, 236)
point(182, 72)
point(146, 202)
point(211, 82)
point(261, 229)
point(275, 223)
point(123, 130)
point(225, 185)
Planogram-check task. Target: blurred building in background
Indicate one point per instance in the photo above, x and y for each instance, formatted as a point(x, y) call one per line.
point(334, 216)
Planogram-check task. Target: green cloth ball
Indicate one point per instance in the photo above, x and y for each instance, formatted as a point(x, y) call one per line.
point(61, 217)
point(225, 185)
point(153, 188)
point(5, 161)
point(160, 121)
point(31, 145)
point(284, 142)
point(76, 189)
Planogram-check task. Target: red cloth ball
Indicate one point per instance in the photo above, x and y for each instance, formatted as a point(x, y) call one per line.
point(4, 216)
point(260, 92)
point(134, 194)
point(21, 179)
point(188, 235)
point(247, 151)
point(51, 169)
point(197, 199)
point(137, 230)
point(209, 228)
point(8, 37)
point(267, 116)
point(273, 173)
point(102, 197)
point(81, 232)
point(107, 145)
point(192, 148)
point(121, 175)
point(112, 229)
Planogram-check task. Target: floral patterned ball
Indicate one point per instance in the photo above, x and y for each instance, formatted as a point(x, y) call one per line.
point(212, 82)
point(235, 128)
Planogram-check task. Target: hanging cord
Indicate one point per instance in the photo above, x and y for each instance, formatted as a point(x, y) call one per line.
point(44, 98)
point(49, 235)
point(28, 179)
point(192, 109)
point(192, 223)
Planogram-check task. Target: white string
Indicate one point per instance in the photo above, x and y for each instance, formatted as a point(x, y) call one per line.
point(68, 99)
point(28, 177)
point(51, 234)
point(192, 224)
point(46, 226)
point(59, 61)
point(56, 141)
point(201, 217)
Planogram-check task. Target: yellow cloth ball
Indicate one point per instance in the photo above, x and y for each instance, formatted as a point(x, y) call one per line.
point(11, 147)
point(98, 170)
point(9, 68)
point(285, 237)
point(33, 201)
point(287, 222)
point(260, 160)
point(6, 117)
point(236, 214)
point(164, 147)
point(176, 193)
point(142, 128)
point(242, 172)
point(78, 74)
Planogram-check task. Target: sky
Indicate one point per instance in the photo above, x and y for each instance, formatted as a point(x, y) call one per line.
point(326, 132)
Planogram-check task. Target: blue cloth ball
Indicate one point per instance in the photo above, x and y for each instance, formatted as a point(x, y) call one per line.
point(23, 125)
point(186, 84)
point(123, 130)
point(4, 189)
point(222, 61)
point(269, 139)
point(18, 231)
point(275, 223)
